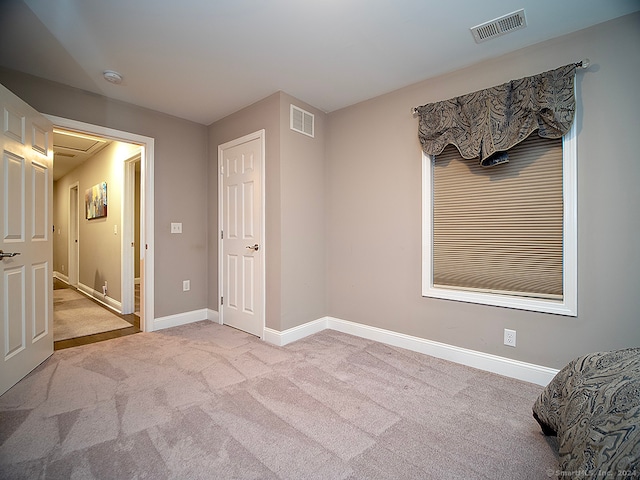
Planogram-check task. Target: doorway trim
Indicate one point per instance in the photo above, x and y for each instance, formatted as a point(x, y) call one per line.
point(73, 234)
point(260, 134)
point(146, 206)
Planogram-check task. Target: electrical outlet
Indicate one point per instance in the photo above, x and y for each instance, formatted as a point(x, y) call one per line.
point(509, 337)
point(186, 285)
point(176, 227)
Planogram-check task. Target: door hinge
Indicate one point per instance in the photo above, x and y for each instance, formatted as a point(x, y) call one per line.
point(221, 169)
point(221, 300)
point(221, 235)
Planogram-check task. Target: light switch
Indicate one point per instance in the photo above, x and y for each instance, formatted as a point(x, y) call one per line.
point(176, 227)
point(115, 229)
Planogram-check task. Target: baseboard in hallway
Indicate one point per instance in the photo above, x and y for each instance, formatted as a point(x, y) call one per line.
point(133, 319)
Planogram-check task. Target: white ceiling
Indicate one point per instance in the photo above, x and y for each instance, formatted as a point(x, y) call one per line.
point(71, 149)
point(204, 59)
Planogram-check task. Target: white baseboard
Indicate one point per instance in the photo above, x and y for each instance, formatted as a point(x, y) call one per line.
point(179, 319)
point(213, 316)
point(296, 333)
point(105, 300)
point(61, 276)
point(527, 372)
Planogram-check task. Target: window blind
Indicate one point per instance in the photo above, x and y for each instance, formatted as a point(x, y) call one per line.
point(499, 230)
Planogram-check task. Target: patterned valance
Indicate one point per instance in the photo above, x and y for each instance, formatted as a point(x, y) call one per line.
point(489, 122)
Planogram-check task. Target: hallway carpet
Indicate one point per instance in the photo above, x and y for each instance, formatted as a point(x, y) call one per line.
point(205, 401)
point(75, 315)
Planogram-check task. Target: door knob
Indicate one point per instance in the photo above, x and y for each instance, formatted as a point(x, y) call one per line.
point(253, 247)
point(9, 255)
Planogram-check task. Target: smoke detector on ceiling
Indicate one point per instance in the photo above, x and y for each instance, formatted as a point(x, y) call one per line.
point(112, 77)
point(499, 26)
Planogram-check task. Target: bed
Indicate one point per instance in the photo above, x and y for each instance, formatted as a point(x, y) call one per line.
point(593, 406)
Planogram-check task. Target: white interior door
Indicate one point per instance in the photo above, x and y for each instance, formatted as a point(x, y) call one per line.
point(129, 228)
point(26, 279)
point(242, 234)
point(73, 235)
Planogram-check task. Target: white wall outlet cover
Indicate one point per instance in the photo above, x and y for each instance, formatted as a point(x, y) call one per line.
point(186, 285)
point(176, 227)
point(509, 337)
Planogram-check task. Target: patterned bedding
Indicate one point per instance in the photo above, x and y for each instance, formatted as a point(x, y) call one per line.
point(593, 405)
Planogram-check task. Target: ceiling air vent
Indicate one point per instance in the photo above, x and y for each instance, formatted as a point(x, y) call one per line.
point(499, 26)
point(301, 121)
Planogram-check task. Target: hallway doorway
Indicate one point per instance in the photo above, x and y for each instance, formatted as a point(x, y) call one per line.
point(129, 219)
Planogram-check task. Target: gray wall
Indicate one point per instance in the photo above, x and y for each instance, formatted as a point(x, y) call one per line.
point(180, 179)
point(302, 214)
point(373, 200)
point(294, 204)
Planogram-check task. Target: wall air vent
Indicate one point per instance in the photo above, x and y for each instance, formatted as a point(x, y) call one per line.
point(302, 121)
point(499, 26)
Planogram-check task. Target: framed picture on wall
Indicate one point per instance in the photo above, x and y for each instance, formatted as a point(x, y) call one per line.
point(95, 200)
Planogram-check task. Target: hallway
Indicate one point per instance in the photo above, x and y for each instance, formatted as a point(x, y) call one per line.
point(98, 309)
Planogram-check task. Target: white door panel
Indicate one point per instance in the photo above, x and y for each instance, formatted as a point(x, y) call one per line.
point(73, 262)
point(242, 277)
point(26, 280)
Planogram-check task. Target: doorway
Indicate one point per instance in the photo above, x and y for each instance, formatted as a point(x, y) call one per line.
point(130, 248)
point(85, 305)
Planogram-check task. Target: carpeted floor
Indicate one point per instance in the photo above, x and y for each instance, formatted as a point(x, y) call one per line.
point(75, 315)
point(204, 401)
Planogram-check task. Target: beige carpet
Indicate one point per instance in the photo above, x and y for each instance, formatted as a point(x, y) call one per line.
point(204, 401)
point(75, 315)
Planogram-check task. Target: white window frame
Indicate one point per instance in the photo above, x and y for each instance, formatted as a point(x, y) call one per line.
point(569, 304)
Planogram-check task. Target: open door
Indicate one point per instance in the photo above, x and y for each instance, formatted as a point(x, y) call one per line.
point(26, 276)
point(130, 232)
point(74, 231)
